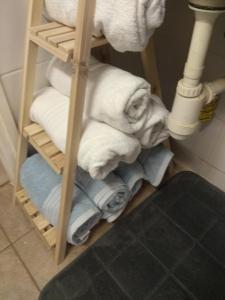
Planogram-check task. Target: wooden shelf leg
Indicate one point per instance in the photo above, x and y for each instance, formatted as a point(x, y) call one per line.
point(149, 62)
point(31, 50)
point(84, 32)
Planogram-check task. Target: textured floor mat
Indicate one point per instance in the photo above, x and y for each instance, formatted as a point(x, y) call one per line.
point(172, 247)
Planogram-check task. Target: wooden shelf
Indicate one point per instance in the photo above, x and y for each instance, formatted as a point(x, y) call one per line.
point(44, 228)
point(59, 39)
point(47, 232)
point(38, 138)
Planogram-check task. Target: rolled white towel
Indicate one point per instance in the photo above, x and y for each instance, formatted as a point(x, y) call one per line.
point(101, 148)
point(113, 96)
point(118, 98)
point(127, 24)
point(155, 130)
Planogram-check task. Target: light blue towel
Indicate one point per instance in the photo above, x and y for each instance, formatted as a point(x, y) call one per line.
point(110, 195)
point(44, 188)
point(38, 179)
point(132, 175)
point(84, 215)
point(155, 162)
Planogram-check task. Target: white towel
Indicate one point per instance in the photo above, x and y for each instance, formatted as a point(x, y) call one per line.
point(155, 130)
point(127, 24)
point(118, 98)
point(113, 96)
point(101, 147)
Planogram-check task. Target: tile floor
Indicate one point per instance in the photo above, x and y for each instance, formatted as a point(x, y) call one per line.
point(23, 272)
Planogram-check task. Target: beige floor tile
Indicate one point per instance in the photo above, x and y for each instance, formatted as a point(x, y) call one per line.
point(37, 258)
point(12, 218)
point(3, 241)
point(15, 283)
point(3, 176)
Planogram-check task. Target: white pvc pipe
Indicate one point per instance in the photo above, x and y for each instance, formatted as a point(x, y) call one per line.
point(214, 88)
point(204, 23)
point(190, 96)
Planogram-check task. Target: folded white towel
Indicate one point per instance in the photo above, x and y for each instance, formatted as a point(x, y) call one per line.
point(127, 24)
point(101, 147)
point(118, 98)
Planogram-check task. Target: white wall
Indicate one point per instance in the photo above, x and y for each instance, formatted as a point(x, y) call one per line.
point(12, 37)
point(12, 40)
point(204, 152)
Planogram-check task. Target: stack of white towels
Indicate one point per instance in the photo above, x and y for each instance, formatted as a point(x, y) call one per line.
point(127, 24)
point(121, 116)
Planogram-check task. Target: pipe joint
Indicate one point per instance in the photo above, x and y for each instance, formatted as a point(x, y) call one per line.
point(212, 89)
point(189, 91)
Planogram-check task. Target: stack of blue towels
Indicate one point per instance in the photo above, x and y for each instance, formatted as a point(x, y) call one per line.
point(93, 200)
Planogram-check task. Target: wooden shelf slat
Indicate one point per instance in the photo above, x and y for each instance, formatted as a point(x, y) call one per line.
point(54, 32)
point(42, 226)
point(38, 138)
point(44, 27)
point(59, 39)
point(56, 40)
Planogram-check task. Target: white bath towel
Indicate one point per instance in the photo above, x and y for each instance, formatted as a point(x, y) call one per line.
point(118, 98)
point(101, 147)
point(127, 24)
point(155, 130)
point(113, 96)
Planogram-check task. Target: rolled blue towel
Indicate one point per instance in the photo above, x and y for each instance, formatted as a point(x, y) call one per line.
point(110, 195)
point(84, 214)
point(132, 175)
point(38, 179)
point(44, 188)
point(155, 162)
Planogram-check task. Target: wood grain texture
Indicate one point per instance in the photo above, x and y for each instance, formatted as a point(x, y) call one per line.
point(86, 9)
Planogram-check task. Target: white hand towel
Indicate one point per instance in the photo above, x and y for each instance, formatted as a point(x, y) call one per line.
point(101, 148)
point(127, 24)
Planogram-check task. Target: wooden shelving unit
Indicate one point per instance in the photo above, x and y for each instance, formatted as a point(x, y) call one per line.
point(67, 44)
